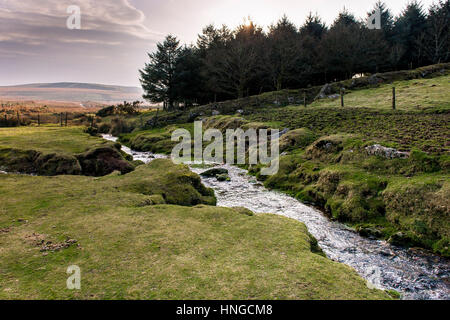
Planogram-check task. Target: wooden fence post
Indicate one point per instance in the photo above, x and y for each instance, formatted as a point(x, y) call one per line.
point(342, 97)
point(304, 99)
point(66, 119)
point(39, 119)
point(61, 119)
point(393, 99)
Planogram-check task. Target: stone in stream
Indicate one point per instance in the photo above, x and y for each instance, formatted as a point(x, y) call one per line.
point(223, 177)
point(213, 173)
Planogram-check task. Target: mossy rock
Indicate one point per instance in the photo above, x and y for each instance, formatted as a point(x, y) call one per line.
point(102, 161)
point(442, 247)
point(212, 173)
point(401, 239)
point(326, 148)
point(57, 164)
point(223, 177)
point(369, 232)
point(296, 139)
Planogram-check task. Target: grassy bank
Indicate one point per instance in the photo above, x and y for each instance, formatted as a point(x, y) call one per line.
point(151, 234)
point(56, 150)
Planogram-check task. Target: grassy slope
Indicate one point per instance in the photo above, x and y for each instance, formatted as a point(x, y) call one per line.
point(130, 249)
point(56, 150)
point(69, 140)
point(412, 95)
point(422, 119)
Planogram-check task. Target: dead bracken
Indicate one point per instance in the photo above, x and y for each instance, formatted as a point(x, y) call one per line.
point(39, 240)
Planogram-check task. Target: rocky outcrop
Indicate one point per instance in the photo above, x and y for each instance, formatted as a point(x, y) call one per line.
point(388, 153)
point(325, 92)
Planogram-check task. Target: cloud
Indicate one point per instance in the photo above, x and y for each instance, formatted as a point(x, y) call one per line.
point(35, 43)
point(30, 19)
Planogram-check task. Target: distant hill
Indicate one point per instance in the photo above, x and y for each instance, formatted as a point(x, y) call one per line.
point(71, 92)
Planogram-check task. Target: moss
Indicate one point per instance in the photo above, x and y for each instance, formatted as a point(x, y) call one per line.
point(421, 208)
point(57, 164)
point(442, 247)
point(326, 148)
point(15, 160)
point(296, 139)
point(244, 211)
point(314, 246)
point(56, 154)
point(394, 294)
point(175, 183)
point(223, 123)
point(102, 161)
point(152, 142)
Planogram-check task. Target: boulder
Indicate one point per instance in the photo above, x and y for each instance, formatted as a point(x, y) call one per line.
point(369, 232)
point(400, 239)
point(223, 177)
point(325, 92)
point(214, 173)
point(388, 153)
point(374, 80)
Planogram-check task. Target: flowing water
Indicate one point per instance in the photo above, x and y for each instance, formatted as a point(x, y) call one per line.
point(417, 274)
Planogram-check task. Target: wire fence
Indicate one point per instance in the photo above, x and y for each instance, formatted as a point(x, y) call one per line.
point(15, 119)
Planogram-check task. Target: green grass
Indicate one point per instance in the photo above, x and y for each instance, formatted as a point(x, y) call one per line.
point(411, 95)
point(70, 140)
point(131, 249)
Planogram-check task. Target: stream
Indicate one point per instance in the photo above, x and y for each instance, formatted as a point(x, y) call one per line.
point(415, 273)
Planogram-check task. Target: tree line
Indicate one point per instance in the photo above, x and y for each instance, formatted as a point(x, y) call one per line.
point(227, 64)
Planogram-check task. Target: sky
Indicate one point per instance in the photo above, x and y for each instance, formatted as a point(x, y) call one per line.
point(36, 46)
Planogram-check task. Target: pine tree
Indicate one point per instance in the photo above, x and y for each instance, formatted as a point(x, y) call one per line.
point(409, 30)
point(283, 53)
point(157, 78)
point(437, 42)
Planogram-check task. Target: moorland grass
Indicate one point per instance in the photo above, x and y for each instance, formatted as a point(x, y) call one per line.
point(411, 95)
point(70, 140)
point(129, 248)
